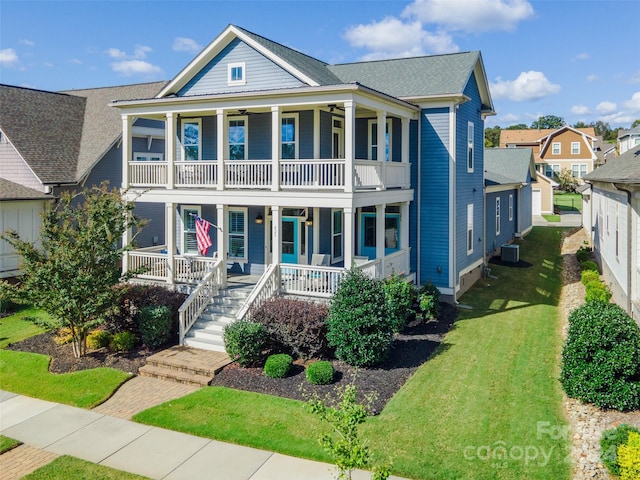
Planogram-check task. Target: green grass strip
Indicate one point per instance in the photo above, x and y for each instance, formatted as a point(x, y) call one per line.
point(28, 374)
point(552, 218)
point(65, 468)
point(7, 444)
point(15, 328)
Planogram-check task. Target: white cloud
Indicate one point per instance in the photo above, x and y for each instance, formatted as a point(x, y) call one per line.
point(634, 104)
point(528, 86)
point(592, 78)
point(580, 110)
point(471, 16)
point(581, 56)
point(183, 44)
point(140, 51)
point(129, 68)
point(28, 43)
point(116, 53)
point(605, 108)
point(8, 57)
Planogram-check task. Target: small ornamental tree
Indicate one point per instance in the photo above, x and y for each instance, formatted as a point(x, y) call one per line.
point(72, 271)
point(567, 181)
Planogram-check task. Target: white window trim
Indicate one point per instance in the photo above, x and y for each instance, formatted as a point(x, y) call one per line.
point(335, 259)
point(245, 211)
point(197, 121)
point(296, 117)
point(245, 118)
point(184, 231)
point(617, 237)
point(470, 228)
point(554, 171)
point(579, 169)
point(147, 157)
point(371, 140)
point(470, 147)
point(231, 67)
point(575, 148)
point(511, 207)
point(555, 145)
point(497, 215)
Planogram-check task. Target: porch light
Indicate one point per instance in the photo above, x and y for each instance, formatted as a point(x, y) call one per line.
point(309, 222)
point(259, 219)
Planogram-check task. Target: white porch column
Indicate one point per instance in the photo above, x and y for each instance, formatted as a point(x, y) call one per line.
point(349, 146)
point(170, 143)
point(126, 238)
point(222, 220)
point(316, 133)
point(382, 142)
point(275, 149)
point(170, 240)
point(276, 246)
point(316, 230)
point(404, 235)
point(405, 151)
point(126, 150)
point(221, 145)
point(380, 224)
point(349, 219)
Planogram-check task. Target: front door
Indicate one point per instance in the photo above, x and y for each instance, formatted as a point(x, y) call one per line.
point(289, 240)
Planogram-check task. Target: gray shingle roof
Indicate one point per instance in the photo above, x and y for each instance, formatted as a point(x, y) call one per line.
point(622, 169)
point(507, 165)
point(15, 191)
point(412, 77)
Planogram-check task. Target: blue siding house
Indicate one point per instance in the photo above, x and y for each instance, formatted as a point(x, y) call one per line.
point(509, 173)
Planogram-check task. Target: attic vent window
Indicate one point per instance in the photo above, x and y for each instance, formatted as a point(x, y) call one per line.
point(236, 74)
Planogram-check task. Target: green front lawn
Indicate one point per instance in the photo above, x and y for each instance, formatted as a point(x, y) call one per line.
point(65, 468)
point(487, 405)
point(567, 202)
point(15, 328)
point(7, 444)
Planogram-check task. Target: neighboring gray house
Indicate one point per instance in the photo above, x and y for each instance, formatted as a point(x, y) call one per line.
point(628, 139)
point(56, 141)
point(508, 177)
point(615, 221)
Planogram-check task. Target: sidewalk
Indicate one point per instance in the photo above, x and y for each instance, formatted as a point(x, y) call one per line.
point(49, 429)
point(566, 220)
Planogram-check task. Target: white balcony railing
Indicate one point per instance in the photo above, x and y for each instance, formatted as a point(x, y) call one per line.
point(154, 266)
point(319, 174)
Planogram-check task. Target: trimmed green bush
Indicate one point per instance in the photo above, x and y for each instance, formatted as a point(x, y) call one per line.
point(294, 326)
point(601, 357)
point(583, 254)
point(98, 339)
point(400, 296)
point(596, 291)
point(155, 324)
point(245, 342)
point(359, 325)
point(629, 458)
point(429, 300)
point(122, 342)
point(609, 443)
point(589, 265)
point(589, 276)
point(320, 373)
point(278, 365)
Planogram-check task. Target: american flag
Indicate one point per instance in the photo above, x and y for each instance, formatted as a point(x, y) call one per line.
point(202, 235)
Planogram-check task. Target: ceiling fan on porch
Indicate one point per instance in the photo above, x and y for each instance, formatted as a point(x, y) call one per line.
point(334, 106)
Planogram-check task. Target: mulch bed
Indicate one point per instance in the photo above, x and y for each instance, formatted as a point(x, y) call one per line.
point(409, 350)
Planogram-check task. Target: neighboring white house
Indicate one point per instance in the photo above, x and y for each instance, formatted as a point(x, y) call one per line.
point(615, 220)
point(627, 139)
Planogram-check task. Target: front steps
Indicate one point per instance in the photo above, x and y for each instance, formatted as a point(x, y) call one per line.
point(185, 365)
point(208, 331)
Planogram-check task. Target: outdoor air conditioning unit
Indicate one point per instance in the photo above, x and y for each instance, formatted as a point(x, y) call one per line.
point(510, 253)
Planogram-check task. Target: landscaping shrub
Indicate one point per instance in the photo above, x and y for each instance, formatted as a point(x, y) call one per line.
point(320, 373)
point(400, 295)
point(596, 291)
point(294, 326)
point(629, 458)
point(583, 254)
point(589, 276)
point(122, 342)
point(589, 265)
point(359, 325)
point(63, 336)
point(609, 443)
point(155, 325)
point(601, 357)
point(278, 365)
point(98, 339)
point(429, 300)
point(245, 342)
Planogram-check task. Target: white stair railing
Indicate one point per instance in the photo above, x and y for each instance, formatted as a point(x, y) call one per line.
point(195, 304)
point(267, 287)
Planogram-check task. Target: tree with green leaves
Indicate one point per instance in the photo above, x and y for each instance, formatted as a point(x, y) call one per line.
point(518, 126)
point(635, 123)
point(492, 137)
point(548, 121)
point(566, 180)
point(72, 271)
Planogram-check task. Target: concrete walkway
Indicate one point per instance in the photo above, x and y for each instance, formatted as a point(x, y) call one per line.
point(566, 220)
point(48, 429)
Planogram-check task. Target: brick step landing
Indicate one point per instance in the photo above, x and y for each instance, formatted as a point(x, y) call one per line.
point(191, 366)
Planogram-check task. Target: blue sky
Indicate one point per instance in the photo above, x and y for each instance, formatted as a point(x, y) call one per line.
point(574, 59)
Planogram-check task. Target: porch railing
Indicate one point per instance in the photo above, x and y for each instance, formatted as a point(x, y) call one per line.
point(148, 174)
point(153, 265)
point(201, 296)
point(267, 287)
point(394, 263)
point(196, 174)
point(312, 174)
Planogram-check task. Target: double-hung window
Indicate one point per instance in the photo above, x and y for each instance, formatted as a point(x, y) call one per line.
point(289, 136)
point(373, 140)
point(238, 233)
point(575, 148)
point(510, 207)
point(579, 170)
point(236, 74)
point(191, 139)
point(555, 148)
point(470, 229)
point(336, 235)
point(551, 170)
point(498, 216)
point(238, 138)
point(189, 240)
point(470, 135)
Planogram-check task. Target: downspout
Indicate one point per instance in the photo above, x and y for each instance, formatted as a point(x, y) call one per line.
point(419, 199)
point(629, 243)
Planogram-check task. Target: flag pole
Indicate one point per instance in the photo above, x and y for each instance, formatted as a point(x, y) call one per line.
point(210, 223)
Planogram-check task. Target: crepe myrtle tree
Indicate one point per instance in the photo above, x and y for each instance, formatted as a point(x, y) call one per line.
point(71, 270)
